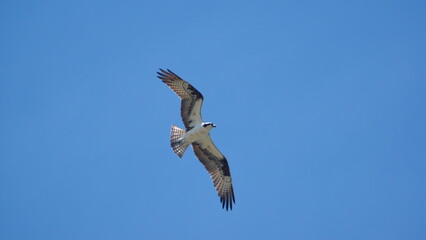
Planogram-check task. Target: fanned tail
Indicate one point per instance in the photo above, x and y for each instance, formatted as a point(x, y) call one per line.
point(177, 140)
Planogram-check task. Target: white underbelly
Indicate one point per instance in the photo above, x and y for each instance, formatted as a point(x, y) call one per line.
point(195, 134)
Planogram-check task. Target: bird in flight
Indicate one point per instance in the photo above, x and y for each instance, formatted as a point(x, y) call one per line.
point(196, 133)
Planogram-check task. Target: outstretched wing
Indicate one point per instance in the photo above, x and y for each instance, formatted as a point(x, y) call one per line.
point(218, 168)
point(191, 98)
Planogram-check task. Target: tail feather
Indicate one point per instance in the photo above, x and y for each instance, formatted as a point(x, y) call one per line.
point(177, 140)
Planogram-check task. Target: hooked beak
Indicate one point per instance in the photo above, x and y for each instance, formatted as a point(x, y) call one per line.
point(214, 125)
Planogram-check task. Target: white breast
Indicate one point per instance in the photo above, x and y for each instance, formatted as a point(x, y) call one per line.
point(197, 132)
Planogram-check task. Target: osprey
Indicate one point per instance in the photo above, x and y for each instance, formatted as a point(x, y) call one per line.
point(197, 134)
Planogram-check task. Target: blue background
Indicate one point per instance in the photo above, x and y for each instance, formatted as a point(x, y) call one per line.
point(319, 107)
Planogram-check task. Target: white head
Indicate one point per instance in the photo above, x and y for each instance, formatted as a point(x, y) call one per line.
point(208, 125)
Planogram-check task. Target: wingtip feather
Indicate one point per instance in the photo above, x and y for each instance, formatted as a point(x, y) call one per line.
point(228, 200)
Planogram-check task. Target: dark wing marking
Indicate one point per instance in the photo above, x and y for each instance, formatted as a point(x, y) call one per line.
point(218, 168)
point(191, 98)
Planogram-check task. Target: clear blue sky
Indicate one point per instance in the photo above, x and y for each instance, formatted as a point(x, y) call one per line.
point(319, 106)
